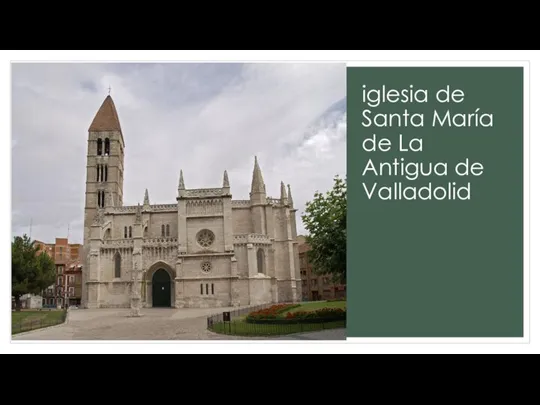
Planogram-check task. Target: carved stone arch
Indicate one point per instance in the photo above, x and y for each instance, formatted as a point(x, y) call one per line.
point(160, 264)
point(158, 268)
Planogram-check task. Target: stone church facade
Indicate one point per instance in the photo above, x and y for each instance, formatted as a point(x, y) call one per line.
point(205, 250)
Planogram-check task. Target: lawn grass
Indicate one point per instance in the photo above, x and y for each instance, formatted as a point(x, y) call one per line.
point(25, 320)
point(314, 305)
point(241, 328)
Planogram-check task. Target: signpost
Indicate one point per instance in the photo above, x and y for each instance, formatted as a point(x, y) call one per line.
point(227, 319)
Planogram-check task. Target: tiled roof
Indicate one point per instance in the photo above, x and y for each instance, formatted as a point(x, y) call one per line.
point(106, 118)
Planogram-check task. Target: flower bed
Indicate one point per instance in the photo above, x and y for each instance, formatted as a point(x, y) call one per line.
point(272, 315)
point(269, 313)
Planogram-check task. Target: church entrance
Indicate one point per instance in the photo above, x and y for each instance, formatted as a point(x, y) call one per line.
point(161, 289)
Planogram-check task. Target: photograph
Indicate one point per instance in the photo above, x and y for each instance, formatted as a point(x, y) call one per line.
point(178, 201)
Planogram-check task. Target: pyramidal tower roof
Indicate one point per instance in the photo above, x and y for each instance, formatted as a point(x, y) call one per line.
point(106, 118)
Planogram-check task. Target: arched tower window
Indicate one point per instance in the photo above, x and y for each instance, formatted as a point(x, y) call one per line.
point(106, 172)
point(99, 147)
point(260, 260)
point(162, 230)
point(101, 199)
point(130, 232)
point(117, 265)
point(107, 147)
point(167, 230)
point(125, 231)
point(97, 173)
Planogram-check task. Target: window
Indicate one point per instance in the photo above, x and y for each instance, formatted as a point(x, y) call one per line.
point(130, 232)
point(107, 147)
point(60, 269)
point(125, 232)
point(162, 230)
point(205, 238)
point(167, 228)
point(212, 288)
point(71, 291)
point(117, 265)
point(71, 279)
point(59, 280)
point(260, 260)
point(201, 289)
point(314, 282)
point(206, 289)
point(99, 147)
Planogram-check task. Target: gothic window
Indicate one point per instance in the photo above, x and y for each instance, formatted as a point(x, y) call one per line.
point(167, 230)
point(212, 288)
point(260, 261)
point(201, 289)
point(97, 173)
point(146, 232)
point(117, 265)
point(162, 230)
point(125, 232)
point(130, 232)
point(99, 147)
point(101, 198)
point(107, 147)
point(206, 289)
point(106, 172)
point(205, 238)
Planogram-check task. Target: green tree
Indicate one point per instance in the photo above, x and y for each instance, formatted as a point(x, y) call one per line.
point(31, 272)
point(325, 220)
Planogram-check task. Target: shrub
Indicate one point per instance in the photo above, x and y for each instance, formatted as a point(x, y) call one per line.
point(323, 313)
point(269, 313)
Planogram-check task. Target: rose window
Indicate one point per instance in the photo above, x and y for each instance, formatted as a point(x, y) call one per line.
point(205, 238)
point(206, 267)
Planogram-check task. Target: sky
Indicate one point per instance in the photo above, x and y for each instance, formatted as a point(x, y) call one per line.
point(201, 118)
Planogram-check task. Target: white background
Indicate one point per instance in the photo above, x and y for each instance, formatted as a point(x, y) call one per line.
point(409, 58)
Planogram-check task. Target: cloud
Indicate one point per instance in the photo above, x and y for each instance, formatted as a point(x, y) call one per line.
point(201, 118)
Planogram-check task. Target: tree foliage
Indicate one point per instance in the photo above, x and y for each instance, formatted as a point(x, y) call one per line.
point(325, 219)
point(31, 272)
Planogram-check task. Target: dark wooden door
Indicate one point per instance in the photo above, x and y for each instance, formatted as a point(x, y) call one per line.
point(161, 289)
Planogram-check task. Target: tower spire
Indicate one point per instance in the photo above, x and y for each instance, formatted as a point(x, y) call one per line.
point(181, 185)
point(225, 180)
point(283, 195)
point(257, 182)
point(106, 119)
point(146, 198)
point(289, 196)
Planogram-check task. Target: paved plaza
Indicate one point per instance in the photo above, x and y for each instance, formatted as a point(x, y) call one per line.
point(155, 324)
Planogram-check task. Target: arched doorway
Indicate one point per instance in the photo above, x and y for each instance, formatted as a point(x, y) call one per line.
point(161, 289)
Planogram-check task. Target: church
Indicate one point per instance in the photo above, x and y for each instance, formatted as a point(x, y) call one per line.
point(205, 250)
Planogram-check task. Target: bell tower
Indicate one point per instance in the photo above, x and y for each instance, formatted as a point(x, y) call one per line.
point(104, 174)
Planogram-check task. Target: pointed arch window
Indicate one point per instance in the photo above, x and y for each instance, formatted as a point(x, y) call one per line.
point(106, 172)
point(101, 198)
point(99, 147)
point(125, 232)
point(260, 260)
point(107, 147)
point(117, 265)
point(97, 173)
point(130, 232)
point(167, 230)
point(162, 230)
